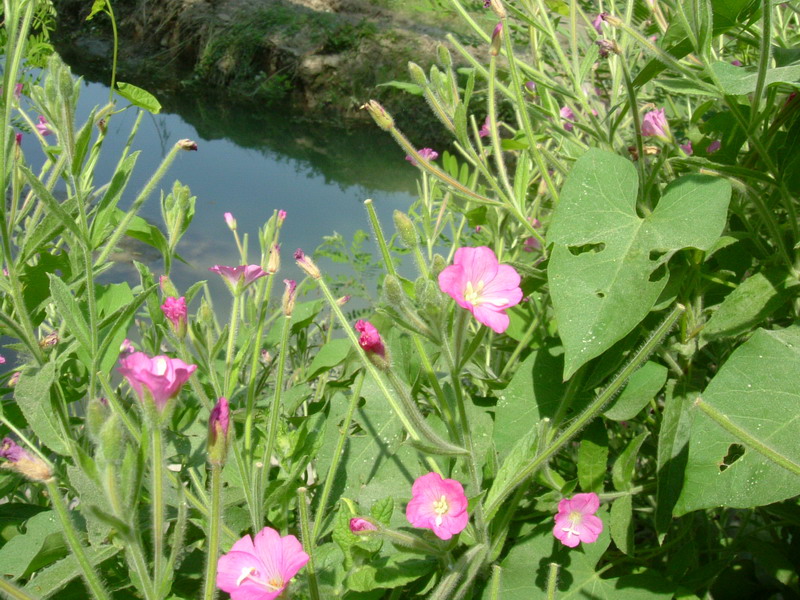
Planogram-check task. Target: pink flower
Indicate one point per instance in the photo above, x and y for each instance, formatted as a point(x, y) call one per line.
point(736, 63)
point(42, 126)
point(597, 23)
point(260, 569)
point(175, 310)
point(23, 462)
point(426, 153)
point(281, 216)
point(567, 114)
point(687, 148)
point(126, 347)
point(2, 359)
point(161, 376)
point(713, 147)
point(370, 339)
point(485, 129)
point(654, 124)
point(478, 283)
point(532, 244)
point(230, 221)
point(438, 504)
point(13, 452)
point(358, 524)
point(238, 278)
point(18, 139)
point(576, 521)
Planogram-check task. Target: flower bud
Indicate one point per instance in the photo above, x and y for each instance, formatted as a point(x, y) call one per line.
point(274, 260)
point(406, 229)
point(610, 19)
point(498, 8)
point(218, 426)
point(289, 296)
point(305, 263)
point(497, 39)
point(281, 216)
point(372, 343)
point(444, 56)
point(167, 288)
point(343, 300)
point(187, 145)
point(438, 265)
point(96, 416)
point(112, 448)
point(48, 341)
point(230, 221)
point(359, 525)
point(21, 461)
point(382, 118)
point(417, 74)
point(205, 314)
point(175, 311)
point(393, 291)
point(607, 47)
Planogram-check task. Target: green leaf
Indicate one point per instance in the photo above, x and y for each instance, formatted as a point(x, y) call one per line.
point(642, 387)
point(382, 510)
point(593, 457)
point(755, 299)
point(389, 572)
point(738, 81)
point(32, 395)
point(695, 16)
point(41, 544)
point(622, 471)
point(519, 455)
point(54, 578)
point(331, 354)
point(526, 568)
point(608, 265)
point(411, 88)
point(749, 454)
point(97, 6)
point(620, 523)
point(139, 97)
point(70, 311)
point(534, 392)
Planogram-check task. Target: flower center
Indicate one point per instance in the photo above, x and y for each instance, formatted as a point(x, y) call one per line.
point(473, 294)
point(574, 519)
point(160, 366)
point(440, 507)
point(273, 584)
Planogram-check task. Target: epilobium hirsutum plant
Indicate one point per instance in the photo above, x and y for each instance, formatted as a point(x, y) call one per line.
point(583, 392)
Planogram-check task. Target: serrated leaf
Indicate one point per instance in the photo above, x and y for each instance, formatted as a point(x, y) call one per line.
point(139, 97)
point(750, 458)
point(641, 388)
point(32, 395)
point(607, 267)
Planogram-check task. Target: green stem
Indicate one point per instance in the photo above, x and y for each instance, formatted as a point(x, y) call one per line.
point(749, 440)
point(308, 543)
point(13, 592)
point(336, 458)
point(77, 549)
point(552, 581)
point(214, 521)
point(230, 352)
point(376, 227)
point(588, 414)
point(763, 58)
point(157, 472)
point(494, 583)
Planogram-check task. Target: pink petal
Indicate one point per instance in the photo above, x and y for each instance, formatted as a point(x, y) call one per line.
point(503, 291)
point(480, 264)
point(453, 282)
point(585, 503)
point(229, 572)
point(590, 528)
point(495, 320)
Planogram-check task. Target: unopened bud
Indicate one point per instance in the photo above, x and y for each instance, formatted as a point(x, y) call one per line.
point(610, 19)
point(230, 221)
point(281, 217)
point(498, 8)
point(23, 462)
point(343, 300)
point(48, 341)
point(417, 74)
point(393, 291)
point(406, 229)
point(497, 39)
point(438, 264)
point(305, 263)
point(96, 416)
point(289, 296)
point(445, 58)
point(218, 425)
point(205, 314)
point(167, 287)
point(266, 357)
point(382, 118)
point(14, 379)
point(274, 260)
point(359, 526)
point(607, 47)
point(187, 145)
point(111, 440)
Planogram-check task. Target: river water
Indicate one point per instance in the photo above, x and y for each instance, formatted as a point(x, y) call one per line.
point(251, 162)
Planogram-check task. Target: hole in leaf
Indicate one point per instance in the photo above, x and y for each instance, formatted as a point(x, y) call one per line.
point(658, 274)
point(600, 294)
point(655, 255)
point(594, 248)
point(735, 452)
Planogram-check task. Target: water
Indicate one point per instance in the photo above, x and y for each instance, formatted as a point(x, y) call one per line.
point(251, 163)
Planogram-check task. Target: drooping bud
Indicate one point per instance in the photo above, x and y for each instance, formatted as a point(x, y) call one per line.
point(497, 39)
point(305, 263)
point(406, 229)
point(360, 525)
point(382, 118)
point(186, 144)
point(274, 260)
point(289, 296)
point(23, 462)
point(218, 425)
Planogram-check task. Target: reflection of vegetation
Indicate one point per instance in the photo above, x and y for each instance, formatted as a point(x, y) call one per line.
point(38, 47)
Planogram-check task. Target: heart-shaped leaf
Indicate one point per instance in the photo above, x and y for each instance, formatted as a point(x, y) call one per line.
point(607, 267)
